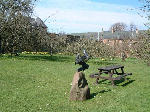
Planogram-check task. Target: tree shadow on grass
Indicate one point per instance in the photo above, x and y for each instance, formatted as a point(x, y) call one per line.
point(102, 91)
point(57, 58)
point(103, 63)
point(45, 58)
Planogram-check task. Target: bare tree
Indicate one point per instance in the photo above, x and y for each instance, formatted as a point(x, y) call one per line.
point(120, 26)
point(144, 10)
point(119, 34)
point(132, 29)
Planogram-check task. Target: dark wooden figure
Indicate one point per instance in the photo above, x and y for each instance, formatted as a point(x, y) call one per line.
point(81, 60)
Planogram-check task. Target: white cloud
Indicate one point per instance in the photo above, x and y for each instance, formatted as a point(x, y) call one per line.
point(75, 17)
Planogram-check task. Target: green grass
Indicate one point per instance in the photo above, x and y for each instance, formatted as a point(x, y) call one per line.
point(41, 83)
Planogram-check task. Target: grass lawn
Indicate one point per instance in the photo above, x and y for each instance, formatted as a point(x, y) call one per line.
point(41, 83)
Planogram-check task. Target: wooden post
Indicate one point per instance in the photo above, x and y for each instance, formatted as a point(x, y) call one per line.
point(98, 36)
point(102, 34)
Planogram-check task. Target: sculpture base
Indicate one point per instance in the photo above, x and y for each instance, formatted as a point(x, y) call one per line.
point(79, 90)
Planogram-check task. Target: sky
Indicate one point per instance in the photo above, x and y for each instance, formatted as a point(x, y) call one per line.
point(77, 16)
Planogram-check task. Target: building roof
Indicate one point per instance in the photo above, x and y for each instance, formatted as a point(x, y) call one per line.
point(38, 22)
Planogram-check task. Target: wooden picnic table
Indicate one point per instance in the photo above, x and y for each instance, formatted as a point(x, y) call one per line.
point(110, 70)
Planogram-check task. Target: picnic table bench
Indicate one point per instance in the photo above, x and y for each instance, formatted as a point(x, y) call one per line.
point(110, 70)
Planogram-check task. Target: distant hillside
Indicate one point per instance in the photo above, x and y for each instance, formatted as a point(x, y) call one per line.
point(107, 34)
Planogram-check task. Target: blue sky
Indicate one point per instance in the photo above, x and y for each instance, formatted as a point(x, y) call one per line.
point(87, 15)
point(120, 2)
